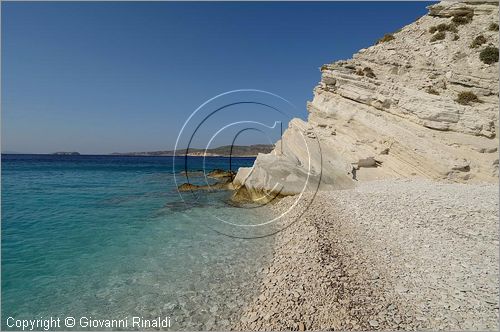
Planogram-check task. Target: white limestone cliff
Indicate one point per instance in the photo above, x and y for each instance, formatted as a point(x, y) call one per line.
point(391, 111)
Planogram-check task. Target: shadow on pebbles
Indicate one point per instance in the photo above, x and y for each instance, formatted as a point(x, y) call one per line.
point(392, 254)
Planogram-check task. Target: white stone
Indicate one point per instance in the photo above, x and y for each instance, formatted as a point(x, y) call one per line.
point(425, 133)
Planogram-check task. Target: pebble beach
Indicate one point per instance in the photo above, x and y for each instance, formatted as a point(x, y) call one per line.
point(387, 255)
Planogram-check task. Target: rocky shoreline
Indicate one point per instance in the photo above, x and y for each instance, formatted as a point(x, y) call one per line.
point(392, 254)
point(371, 252)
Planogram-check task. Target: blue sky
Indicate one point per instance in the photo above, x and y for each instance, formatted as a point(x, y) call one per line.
point(102, 77)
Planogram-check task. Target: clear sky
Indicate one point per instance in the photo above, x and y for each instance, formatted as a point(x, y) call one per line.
point(102, 77)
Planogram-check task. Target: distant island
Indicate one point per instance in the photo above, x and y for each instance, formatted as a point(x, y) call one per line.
point(66, 153)
point(221, 151)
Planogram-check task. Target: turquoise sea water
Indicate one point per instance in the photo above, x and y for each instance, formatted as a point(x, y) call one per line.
point(109, 237)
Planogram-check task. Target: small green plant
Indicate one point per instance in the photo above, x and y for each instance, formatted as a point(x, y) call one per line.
point(324, 67)
point(438, 36)
point(462, 19)
point(387, 37)
point(478, 41)
point(446, 27)
point(369, 72)
point(443, 27)
point(467, 97)
point(452, 27)
point(489, 55)
point(456, 37)
point(493, 27)
point(432, 91)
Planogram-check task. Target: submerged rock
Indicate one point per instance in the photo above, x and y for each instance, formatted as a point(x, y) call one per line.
point(220, 173)
point(224, 184)
point(188, 187)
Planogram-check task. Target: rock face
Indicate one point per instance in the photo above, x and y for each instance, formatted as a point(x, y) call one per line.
point(396, 110)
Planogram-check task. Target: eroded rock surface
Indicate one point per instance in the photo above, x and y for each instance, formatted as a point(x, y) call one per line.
point(392, 111)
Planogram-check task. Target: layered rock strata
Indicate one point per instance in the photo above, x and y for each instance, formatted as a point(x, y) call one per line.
point(398, 109)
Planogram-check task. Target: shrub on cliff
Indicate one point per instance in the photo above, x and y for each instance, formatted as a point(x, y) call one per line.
point(387, 37)
point(478, 41)
point(432, 91)
point(462, 18)
point(493, 27)
point(451, 27)
point(467, 97)
point(369, 72)
point(443, 27)
point(489, 55)
point(438, 36)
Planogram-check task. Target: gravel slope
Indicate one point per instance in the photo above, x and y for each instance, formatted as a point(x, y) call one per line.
point(392, 254)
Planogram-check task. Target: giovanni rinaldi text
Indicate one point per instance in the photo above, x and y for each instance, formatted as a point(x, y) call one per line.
point(50, 323)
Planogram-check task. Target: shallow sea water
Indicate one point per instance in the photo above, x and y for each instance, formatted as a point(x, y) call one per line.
point(110, 238)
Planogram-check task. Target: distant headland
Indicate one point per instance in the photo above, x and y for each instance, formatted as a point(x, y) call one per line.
point(221, 151)
point(63, 153)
